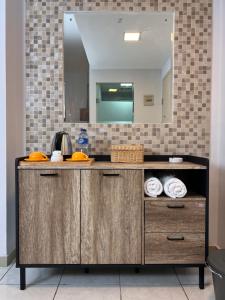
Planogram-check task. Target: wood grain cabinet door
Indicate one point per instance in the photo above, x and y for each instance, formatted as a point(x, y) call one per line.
point(49, 216)
point(111, 216)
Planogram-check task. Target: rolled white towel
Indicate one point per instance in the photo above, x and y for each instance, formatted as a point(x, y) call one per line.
point(153, 187)
point(173, 187)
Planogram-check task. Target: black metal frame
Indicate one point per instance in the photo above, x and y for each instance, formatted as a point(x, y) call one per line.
point(194, 159)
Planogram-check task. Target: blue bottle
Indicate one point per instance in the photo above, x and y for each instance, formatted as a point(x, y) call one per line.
point(83, 141)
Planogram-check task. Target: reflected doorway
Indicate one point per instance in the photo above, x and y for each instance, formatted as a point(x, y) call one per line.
point(115, 102)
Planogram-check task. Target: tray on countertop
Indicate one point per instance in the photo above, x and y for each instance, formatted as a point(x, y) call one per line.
point(49, 164)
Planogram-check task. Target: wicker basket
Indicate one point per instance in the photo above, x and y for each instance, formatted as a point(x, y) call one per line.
point(127, 153)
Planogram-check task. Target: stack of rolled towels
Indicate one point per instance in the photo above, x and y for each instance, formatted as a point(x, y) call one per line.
point(172, 186)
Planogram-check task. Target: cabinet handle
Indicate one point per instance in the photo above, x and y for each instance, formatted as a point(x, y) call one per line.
point(113, 175)
point(49, 174)
point(175, 238)
point(176, 206)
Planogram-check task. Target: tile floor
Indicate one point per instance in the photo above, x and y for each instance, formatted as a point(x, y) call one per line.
point(105, 284)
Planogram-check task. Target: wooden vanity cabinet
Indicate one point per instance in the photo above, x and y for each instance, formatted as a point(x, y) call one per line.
point(69, 214)
point(49, 217)
point(111, 216)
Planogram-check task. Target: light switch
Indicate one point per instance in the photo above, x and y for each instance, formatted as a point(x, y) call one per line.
point(148, 100)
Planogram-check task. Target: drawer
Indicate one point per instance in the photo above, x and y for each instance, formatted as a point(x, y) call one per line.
point(169, 248)
point(175, 216)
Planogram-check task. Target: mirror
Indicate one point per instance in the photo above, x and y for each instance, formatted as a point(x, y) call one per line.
point(118, 67)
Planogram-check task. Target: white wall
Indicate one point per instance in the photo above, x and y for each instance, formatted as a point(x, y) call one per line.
point(217, 157)
point(15, 128)
point(145, 82)
point(221, 206)
point(12, 113)
point(3, 226)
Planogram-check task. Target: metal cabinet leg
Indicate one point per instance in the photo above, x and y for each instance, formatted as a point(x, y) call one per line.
point(201, 278)
point(137, 270)
point(22, 278)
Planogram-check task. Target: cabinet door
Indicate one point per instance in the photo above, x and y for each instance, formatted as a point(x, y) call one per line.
point(49, 216)
point(111, 216)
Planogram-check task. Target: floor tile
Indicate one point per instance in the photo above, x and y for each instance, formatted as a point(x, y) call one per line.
point(3, 270)
point(12, 292)
point(95, 277)
point(190, 276)
point(194, 293)
point(33, 276)
point(154, 277)
point(153, 293)
point(66, 292)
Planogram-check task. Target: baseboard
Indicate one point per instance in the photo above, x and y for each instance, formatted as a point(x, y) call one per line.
point(6, 260)
point(217, 247)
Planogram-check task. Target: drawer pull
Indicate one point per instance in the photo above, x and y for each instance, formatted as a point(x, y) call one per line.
point(49, 175)
point(175, 238)
point(109, 175)
point(176, 206)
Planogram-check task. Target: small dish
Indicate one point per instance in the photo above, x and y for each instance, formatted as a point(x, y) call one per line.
point(175, 160)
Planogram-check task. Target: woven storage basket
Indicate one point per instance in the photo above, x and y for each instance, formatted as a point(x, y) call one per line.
point(127, 153)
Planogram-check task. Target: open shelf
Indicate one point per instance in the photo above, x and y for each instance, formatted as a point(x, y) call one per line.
point(195, 180)
point(188, 197)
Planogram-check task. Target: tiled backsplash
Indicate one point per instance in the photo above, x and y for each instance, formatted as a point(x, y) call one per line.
point(190, 131)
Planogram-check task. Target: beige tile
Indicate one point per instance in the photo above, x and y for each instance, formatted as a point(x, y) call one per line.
point(3, 271)
point(155, 277)
point(194, 293)
point(94, 278)
point(66, 292)
point(191, 276)
point(152, 293)
point(33, 276)
point(12, 292)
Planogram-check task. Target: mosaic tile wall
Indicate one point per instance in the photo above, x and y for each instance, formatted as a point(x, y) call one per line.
point(190, 131)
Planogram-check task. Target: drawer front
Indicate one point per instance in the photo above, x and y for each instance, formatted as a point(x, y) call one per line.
point(175, 216)
point(169, 248)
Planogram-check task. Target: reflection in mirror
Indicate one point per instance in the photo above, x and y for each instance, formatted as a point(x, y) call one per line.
point(118, 67)
point(114, 102)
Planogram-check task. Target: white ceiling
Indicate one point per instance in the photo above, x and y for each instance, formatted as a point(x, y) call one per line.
point(102, 34)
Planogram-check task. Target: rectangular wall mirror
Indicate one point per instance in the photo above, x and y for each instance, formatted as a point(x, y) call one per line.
point(118, 67)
